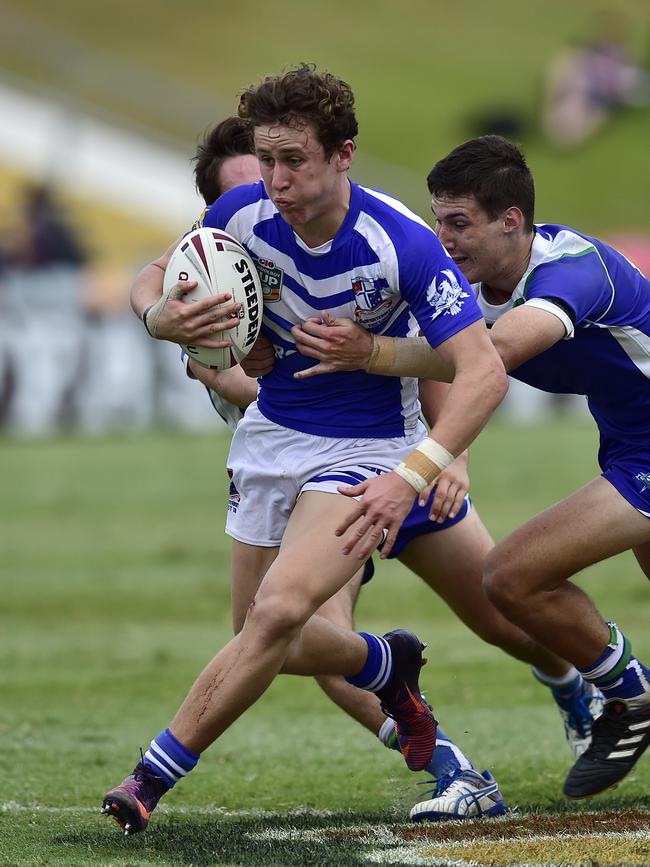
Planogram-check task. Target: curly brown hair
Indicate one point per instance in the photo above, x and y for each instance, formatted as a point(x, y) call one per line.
point(303, 96)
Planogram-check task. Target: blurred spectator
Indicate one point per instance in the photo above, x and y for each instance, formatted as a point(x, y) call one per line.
point(42, 283)
point(45, 238)
point(586, 84)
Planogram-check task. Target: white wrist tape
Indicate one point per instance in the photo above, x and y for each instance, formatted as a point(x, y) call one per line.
point(435, 452)
point(151, 316)
point(425, 462)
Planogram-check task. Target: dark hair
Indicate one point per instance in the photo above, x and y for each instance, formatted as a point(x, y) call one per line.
point(300, 96)
point(493, 170)
point(230, 138)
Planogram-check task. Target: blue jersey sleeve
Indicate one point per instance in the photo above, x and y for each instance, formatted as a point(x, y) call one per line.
point(579, 281)
point(438, 294)
point(224, 212)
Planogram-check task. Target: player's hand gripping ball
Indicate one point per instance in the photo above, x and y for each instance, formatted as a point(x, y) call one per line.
point(218, 263)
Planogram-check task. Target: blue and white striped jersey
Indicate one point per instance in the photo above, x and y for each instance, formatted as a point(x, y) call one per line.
point(385, 268)
point(606, 355)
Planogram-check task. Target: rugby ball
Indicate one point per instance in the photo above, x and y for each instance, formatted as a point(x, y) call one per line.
point(219, 264)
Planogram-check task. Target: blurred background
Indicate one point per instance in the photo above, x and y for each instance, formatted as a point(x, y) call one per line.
point(102, 105)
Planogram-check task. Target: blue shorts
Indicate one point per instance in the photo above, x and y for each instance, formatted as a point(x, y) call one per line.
point(631, 478)
point(417, 523)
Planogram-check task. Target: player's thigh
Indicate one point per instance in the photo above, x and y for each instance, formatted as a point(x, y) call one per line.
point(310, 567)
point(451, 562)
point(250, 564)
point(591, 525)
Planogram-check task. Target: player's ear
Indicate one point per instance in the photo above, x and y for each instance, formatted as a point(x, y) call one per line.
point(513, 219)
point(345, 155)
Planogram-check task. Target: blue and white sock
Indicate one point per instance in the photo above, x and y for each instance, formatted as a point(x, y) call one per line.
point(169, 759)
point(564, 688)
point(618, 673)
point(448, 758)
point(378, 667)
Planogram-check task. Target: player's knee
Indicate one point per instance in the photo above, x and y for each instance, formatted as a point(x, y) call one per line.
point(275, 619)
point(501, 584)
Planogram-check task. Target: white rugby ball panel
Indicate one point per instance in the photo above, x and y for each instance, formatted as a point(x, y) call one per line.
point(219, 264)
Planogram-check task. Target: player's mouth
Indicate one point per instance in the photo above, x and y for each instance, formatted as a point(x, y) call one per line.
point(283, 204)
point(459, 260)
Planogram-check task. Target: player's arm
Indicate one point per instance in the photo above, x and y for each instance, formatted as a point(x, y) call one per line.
point(147, 288)
point(479, 385)
point(168, 318)
point(452, 485)
point(340, 344)
point(232, 384)
point(518, 335)
point(526, 331)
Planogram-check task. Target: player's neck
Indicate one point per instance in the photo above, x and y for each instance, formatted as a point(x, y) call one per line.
point(499, 288)
point(323, 227)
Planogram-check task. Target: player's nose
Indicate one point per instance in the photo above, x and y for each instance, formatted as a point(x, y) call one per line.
point(446, 238)
point(280, 179)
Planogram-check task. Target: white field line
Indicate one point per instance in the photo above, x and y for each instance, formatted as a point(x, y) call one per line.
point(421, 853)
point(418, 852)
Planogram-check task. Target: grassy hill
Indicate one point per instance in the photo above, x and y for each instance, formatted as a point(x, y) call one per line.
point(422, 72)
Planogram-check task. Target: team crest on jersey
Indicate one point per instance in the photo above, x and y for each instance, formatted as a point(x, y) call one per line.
point(446, 295)
point(644, 478)
point(373, 307)
point(271, 278)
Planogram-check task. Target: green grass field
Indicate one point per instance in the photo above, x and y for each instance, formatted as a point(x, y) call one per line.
point(115, 593)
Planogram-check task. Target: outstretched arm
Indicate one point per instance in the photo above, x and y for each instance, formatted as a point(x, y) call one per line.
point(341, 344)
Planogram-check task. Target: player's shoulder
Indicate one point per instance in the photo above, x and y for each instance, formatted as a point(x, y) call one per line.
point(388, 210)
point(249, 198)
point(554, 242)
point(384, 216)
point(557, 248)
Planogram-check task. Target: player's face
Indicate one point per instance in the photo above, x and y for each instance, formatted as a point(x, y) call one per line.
point(306, 186)
point(478, 245)
point(238, 170)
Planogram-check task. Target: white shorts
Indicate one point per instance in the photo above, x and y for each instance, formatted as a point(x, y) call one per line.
point(270, 466)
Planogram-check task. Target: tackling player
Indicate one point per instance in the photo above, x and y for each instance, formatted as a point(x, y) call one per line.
point(570, 315)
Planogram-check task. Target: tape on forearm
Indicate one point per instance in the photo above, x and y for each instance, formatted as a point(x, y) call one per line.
point(407, 356)
point(427, 460)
